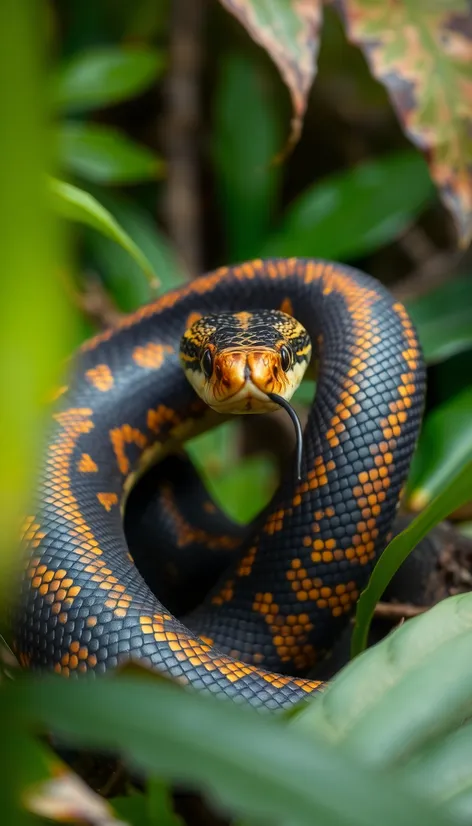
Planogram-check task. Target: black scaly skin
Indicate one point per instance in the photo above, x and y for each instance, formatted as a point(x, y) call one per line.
point(83, 606)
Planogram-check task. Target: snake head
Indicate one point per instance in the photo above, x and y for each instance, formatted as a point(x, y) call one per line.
point(236, 361)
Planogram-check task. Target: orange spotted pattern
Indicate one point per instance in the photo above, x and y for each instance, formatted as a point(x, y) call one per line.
point(162, 415)
point(199, 653)
point(107, 500)
point(151, 355)
point(75, 423)
point(101, 377)
point(186, 534)
point(289, 634)
point(122, 436)
point(86, 464)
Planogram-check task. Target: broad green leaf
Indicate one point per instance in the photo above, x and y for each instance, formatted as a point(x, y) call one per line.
point(444, 447)
point(76, 205)
point(422, 53)
point(36, 320)
point(443, 319)
point(444, 771)
point(404, 694)
point(452, 496)
point(251, 764)
point(352, 213)
point(243, 150)
point(124, 277)
point(100, 77)
point(106, 156)
point(289, 32)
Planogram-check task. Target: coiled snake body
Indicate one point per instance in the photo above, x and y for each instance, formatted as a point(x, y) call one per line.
point(84, 607)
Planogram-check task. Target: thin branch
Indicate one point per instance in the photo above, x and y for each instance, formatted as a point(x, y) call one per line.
point(181, 130)
point(398, 610)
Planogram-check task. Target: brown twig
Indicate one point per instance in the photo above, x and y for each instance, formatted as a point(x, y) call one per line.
point(398, 610)
point(180, 131)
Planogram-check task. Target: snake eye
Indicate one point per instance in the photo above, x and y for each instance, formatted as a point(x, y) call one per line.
point(285, 358)
point(207, 363)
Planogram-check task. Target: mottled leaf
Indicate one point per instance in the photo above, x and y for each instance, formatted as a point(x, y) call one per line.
point(421, 50)
point(288, 30)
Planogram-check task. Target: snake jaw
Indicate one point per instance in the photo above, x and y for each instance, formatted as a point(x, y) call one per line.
point(242, 381)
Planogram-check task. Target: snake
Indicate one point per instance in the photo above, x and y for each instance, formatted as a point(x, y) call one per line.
point(235, 340)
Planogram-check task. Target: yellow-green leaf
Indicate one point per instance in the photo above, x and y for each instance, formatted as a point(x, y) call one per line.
point(288, 30)
point(76, 205)
point(421, 50)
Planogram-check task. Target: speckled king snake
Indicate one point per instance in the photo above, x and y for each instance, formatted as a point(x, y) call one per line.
point(83, 607)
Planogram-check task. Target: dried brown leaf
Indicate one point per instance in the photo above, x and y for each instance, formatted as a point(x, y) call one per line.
point(289, 31)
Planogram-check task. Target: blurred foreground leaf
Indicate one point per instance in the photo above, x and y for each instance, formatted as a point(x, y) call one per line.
point(100, 77)
point(452, 496)
point(352, 213)
point(422, 52)
point(443, 318)
point(249, 764)
point(105, 156)
point(289, 32)
point(403, 695)
point(76, 205)
point(35, 318)
point(445, 769)
point(445, 446)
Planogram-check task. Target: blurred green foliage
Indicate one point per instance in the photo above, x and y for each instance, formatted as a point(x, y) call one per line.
point(353, 189)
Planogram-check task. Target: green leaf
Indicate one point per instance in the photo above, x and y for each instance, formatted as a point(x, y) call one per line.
point(124, 278)
point(355, 212)
point(100, 77)
point(453, 495)
point(404, 694)
point(444, 447)
point(444, 771)
point(443, 319)
point(252, 765)
point(104, 155)
point(76, 205)
point(243, 150)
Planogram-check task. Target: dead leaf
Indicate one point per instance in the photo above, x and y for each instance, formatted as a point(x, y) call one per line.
point(67, 799)
point(289, 31)
point(421, 50)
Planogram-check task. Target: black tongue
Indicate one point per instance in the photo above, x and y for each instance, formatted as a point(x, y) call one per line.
point(296, 423)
